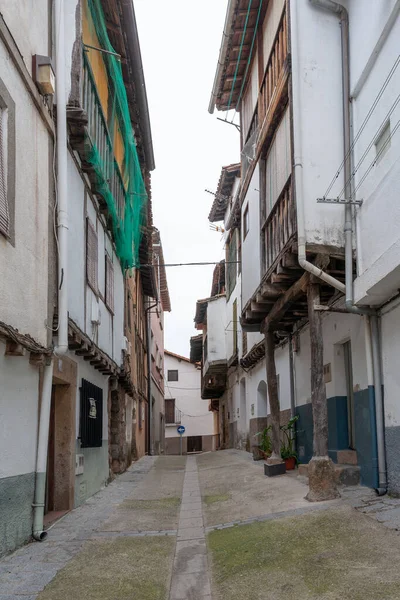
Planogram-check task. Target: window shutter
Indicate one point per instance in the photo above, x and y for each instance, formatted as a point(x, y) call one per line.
point(92, 251)
point(169, 410)
point(4, 212)
point(109, 284)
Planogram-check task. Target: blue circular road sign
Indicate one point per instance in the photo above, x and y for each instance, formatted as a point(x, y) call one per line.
point(180, 429)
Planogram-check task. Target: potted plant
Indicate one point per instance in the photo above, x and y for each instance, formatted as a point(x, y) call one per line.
point(264, 446)
point(288, 452)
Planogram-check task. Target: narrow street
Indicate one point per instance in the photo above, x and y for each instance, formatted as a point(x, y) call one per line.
point(211, 526)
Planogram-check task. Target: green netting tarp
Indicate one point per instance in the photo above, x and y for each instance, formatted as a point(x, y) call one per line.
point(123, 189)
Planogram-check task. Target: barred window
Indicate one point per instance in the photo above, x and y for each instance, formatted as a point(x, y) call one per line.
point(91, 415)
point(92, 257)
point(4, 209)
point(109, 284)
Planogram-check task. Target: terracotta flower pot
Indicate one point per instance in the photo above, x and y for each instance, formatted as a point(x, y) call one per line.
point(290, 463)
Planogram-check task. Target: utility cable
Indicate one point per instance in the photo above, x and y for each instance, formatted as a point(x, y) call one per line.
point(372, 142)
point(379, 154)
point(368, 116)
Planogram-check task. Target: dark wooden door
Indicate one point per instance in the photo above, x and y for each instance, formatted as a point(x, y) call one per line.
point(194, 443)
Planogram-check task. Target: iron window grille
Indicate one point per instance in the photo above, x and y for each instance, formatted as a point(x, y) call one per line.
point(91, 415)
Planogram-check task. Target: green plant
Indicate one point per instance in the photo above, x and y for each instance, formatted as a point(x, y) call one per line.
point(289, 434)
point(265, 443)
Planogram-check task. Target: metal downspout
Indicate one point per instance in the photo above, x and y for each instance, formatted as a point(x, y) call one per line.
point(149, 399)
point(291, 377)
point(62, 234)
point(374, 350)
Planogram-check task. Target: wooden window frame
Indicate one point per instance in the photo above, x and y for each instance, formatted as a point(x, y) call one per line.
point(173, 371)
point(172, 402)
point(246, 222)
point(109, 291)
point(8, 163)
point(92, 245)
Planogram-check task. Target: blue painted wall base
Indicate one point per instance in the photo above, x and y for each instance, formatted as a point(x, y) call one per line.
point(365, 432)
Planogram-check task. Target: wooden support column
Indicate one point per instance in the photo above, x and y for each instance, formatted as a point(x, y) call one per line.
point(321, 473)
point(272, 384)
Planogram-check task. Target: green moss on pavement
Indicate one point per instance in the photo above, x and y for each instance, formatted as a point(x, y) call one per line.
point(120, 569)
point(213, 498)
point(151, 504)
point(323, 555)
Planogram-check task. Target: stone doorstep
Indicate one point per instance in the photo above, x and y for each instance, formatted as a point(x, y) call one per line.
point(346, 457)
point(345, 474)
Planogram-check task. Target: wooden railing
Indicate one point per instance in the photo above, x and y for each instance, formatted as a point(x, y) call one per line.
point(274, 67)
point(100, 138)
point(280, 226)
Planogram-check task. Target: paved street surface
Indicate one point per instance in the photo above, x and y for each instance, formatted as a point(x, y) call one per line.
point(212, 526)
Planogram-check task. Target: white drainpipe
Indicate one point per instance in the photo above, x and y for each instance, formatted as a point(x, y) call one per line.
point(373, 350)
point(62, 235)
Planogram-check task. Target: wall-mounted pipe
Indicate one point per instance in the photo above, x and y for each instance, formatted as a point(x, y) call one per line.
point(374, 350)
point(62, 235)
point(149, 396)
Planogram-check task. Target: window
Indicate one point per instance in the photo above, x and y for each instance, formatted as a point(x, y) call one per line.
point(141, 415)
point(246, 222)
point(109, 284)
point(173, 375)
point(170, 410)
point(4, 210)
point(92, 251)
point(244, 343)
point(91, 415)
point(7, 163)
point(235, 328)
point(383, 142)
point(231, 267)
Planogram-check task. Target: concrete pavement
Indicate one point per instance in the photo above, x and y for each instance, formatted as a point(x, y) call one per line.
point(211, 526)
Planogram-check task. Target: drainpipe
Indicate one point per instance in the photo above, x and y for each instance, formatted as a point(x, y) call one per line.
point(62, 234)
point(149, 400)
point(291, 377)
point(374, 349)
point(379, 412)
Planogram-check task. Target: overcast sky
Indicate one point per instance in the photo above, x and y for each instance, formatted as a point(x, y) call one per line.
point(180, 41)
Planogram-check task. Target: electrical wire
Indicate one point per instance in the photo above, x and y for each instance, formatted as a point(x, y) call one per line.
point(192, 264)
point(379, 154)
point(363, 125)
point(372, 142)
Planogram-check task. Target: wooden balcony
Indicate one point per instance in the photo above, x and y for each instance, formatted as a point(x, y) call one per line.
point(213, 379)
point(274, 70)
point(272, 99)
point(90, 136)
point(280, 227)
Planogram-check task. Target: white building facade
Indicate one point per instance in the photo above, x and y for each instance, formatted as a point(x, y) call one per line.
point(317, 96)
point(185, 407)
point(26, 200)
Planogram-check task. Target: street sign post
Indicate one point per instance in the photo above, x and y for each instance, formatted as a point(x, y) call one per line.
point(181, 431)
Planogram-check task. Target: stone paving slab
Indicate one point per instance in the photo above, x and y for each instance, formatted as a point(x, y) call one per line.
point(25, 572)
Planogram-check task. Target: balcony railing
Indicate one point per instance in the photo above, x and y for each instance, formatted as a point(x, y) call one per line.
point(100, 140)
point(280, 226)
point(175, 418)
point(274, 67)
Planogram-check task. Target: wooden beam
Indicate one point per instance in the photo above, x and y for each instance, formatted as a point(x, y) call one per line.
point(284, 303)
point(318, 390)
point(273, 396)
point(36, 359)
point(272, 291)
point(14, 349)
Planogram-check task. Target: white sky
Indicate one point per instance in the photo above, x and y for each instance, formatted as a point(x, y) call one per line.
point(180, 41)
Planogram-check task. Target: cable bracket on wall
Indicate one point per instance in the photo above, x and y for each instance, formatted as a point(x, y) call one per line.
point(339, 201)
